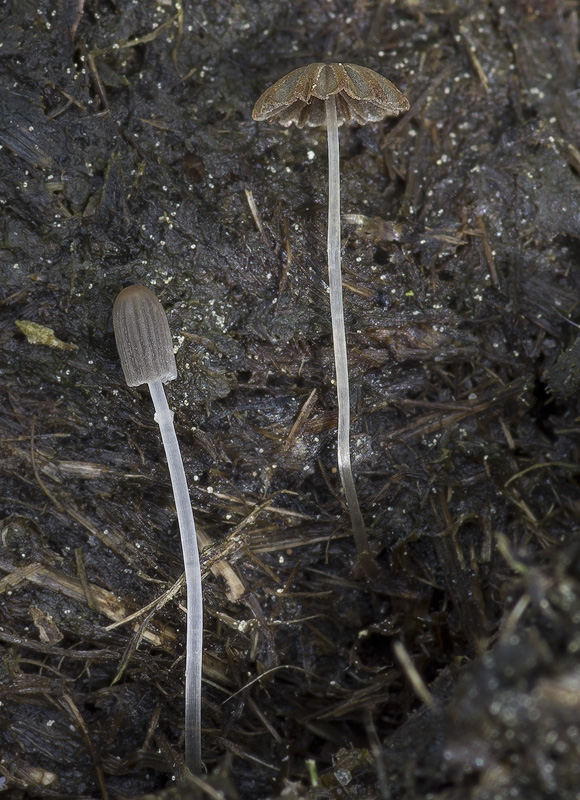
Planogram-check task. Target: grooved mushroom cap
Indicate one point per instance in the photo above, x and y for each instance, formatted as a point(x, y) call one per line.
point(362, 95)
point(143, 337)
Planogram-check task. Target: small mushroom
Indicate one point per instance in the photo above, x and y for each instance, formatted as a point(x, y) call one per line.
point(335, 94)
point(146, 353)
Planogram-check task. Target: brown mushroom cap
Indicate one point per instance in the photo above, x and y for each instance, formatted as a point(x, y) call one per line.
point(362, 95)
point(143, 337)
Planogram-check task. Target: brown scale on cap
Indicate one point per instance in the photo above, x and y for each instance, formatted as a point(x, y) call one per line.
point(362, 95)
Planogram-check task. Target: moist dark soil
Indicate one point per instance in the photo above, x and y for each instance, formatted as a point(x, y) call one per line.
point(129, 155)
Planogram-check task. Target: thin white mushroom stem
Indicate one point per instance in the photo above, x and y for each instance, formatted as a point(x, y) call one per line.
point(333, 93)
point(338, 331)
point(194, 640)
point(146, 354)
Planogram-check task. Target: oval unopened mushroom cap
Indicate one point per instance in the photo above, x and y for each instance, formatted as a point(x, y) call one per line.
point(362, 95)
point(143, 337)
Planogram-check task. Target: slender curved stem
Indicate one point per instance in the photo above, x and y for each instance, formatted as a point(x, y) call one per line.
point(194, 642)
point(338, 332)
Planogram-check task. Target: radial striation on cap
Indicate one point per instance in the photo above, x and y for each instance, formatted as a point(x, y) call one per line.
point(362, 95)
point(143, 337)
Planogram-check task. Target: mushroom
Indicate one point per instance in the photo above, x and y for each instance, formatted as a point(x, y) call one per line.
point(334, 94)
point(146, 353)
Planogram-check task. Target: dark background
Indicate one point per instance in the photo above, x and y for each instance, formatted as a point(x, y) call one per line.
point(128, 152)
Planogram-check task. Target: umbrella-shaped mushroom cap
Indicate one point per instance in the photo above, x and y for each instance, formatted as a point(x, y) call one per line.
point(362, 95)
